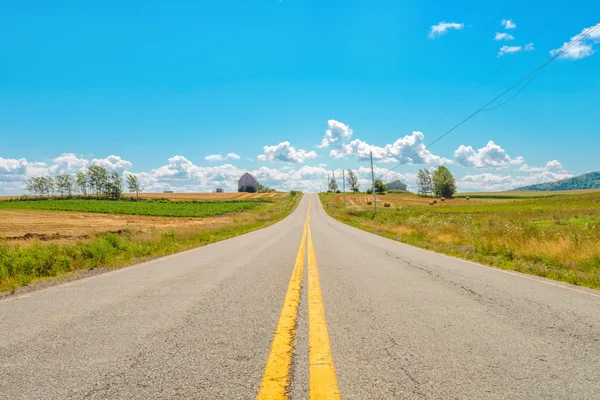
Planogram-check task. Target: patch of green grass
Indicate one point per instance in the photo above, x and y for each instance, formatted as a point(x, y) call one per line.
point(554, 237)
point(21, 265)
point(163, 208)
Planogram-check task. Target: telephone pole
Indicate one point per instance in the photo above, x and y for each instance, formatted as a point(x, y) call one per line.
point(373, 182)
point(344, 185)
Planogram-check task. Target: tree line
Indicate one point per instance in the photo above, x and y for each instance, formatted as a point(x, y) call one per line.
point(439, 182)
point(93, 181)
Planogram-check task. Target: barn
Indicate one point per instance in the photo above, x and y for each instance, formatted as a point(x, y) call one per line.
point(247, 183)
point(396, 185)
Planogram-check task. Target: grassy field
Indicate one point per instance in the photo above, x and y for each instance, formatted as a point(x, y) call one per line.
point(556, 237)
point(125, 207)
point(23, 263)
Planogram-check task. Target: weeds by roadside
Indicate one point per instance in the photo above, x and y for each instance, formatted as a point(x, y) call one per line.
point(556, 237)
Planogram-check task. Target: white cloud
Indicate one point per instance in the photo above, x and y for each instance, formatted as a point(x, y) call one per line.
point(284, 152)
point(336, 133)
point(489, 156)
point(575, 50)
point(219, 157)
point(551, 166)
point(443, 27)
point(508, 24)
point(503, 36)
point(12, 169)
point(68, 163)
point(112, 162)
point(515, 49)
point(410, 147)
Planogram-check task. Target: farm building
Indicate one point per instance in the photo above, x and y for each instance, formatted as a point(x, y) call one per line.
point(396, 185)
point(219, 190)
point(247, 183)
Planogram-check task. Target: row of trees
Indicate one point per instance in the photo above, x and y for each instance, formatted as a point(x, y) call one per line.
point(354, 186)
point(95, 180)
point(352, 183)
point(440, 182)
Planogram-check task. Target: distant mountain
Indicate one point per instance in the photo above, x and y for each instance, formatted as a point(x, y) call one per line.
point(591, 180)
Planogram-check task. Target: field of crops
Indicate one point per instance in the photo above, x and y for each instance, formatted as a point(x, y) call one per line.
point(148, 208)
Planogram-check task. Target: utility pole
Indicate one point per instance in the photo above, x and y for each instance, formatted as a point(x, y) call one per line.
point(344, 185)
point(373, 181)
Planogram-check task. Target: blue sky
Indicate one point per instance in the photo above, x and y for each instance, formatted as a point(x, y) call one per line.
point(154, 88)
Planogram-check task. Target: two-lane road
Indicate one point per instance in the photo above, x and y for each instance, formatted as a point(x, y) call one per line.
point(307, 306)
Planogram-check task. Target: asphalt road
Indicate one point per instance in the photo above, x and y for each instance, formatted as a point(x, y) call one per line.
point(367, 318)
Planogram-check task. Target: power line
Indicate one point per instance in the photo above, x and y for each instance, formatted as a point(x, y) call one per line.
point(529, 77)
point(449, 72)
point(501, 65)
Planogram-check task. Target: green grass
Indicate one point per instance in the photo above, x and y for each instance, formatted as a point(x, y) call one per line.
point(22, 265)
point(165, 208)
point(554, 237)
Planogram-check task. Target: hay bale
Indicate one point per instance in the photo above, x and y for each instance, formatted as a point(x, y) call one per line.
point(369, 203)
point(387, 205)
point(468, 198)
point(442, 199)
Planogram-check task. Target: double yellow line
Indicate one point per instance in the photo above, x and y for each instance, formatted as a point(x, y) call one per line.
point(276, 379)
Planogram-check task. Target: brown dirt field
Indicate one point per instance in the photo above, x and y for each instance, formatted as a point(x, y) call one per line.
point(27, 226)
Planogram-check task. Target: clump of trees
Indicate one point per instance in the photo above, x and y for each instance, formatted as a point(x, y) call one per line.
point(440, 182)
point(333, 186)
point(353, 181)
point(94, 181)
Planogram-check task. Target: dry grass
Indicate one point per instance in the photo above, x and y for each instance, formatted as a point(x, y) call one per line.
point(556, 237)
point(26, 226)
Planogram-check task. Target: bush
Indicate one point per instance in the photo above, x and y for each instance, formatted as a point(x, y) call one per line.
point(369, 191)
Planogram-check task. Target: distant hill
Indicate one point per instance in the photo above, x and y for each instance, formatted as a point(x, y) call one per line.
point(591, 180)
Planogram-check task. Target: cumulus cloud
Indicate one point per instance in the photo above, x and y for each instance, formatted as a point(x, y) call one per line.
point(67, 163)
point(551, 166)
point(337, 132)
point(515, 49)
point(503, 36)
point(12, 169)
point(112, 162)
point(219, 157)
point(508, 24)
point(489, 156)
point(575, 48)
point(410, 147)
point(284, 152)
point(443, 27)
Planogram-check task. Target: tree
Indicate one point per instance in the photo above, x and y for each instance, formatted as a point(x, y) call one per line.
point(380, 187)
point(81, 182)
point(64, 184)
point(47, 185)
point(444, 184)
point(33, 186)
point(115, 185)
point(134, 185)
point(353, 181)
point(333, 186)
point(425, 181)
point(98, 179)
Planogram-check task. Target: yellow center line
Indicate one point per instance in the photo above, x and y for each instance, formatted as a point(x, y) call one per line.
point(276, 378)
point(323, 381)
